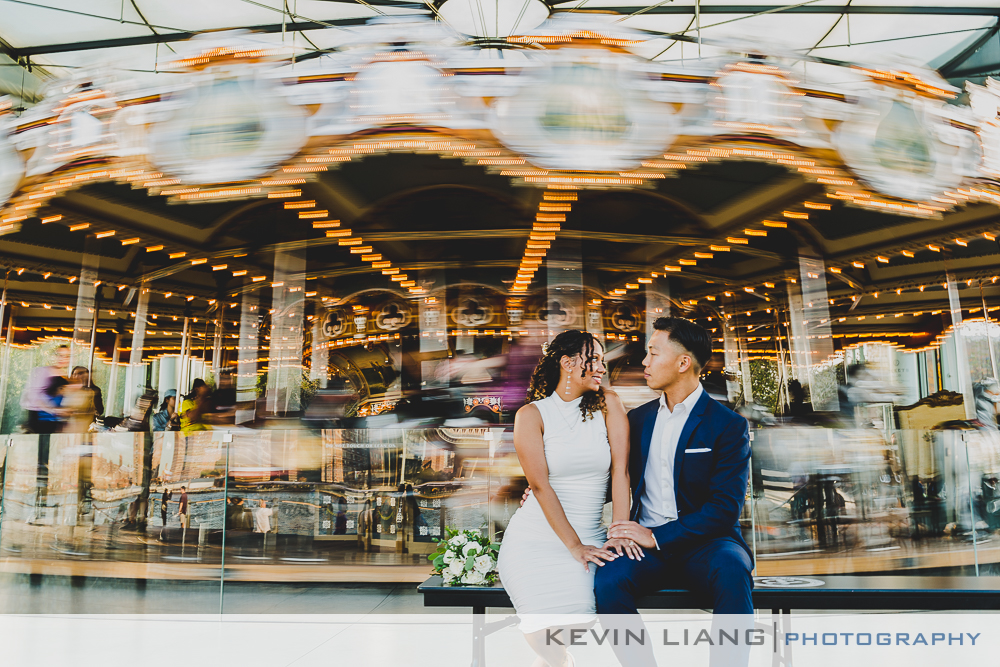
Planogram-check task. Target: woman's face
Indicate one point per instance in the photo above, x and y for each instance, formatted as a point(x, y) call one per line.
point(588, 379)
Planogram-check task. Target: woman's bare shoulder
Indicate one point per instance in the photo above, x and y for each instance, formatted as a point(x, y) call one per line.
point(528, 413)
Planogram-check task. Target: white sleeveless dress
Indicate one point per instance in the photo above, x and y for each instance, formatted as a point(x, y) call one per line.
point(547, 586)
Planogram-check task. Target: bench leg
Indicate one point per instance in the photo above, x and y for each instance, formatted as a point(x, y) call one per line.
point(782, 654)
point(479, 637)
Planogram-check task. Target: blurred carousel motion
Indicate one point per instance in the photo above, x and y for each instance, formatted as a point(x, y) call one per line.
point(363, 253)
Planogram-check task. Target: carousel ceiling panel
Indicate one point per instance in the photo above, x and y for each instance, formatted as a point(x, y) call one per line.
point(200, 215)
point(376, 177)
point(59, 21)
point(34, 233)
point(713, 185)
point(921, 38)
point(845, 221)
point(199, 15)
point(446, 207)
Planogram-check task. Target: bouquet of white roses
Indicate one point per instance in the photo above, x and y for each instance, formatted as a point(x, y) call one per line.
point(465, 558)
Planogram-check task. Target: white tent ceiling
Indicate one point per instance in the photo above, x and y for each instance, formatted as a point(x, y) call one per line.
point(58, 35)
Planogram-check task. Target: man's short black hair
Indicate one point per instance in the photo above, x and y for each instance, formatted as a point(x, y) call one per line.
point(692, 337)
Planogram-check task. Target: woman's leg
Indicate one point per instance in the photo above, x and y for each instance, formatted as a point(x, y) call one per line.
point(550, 654)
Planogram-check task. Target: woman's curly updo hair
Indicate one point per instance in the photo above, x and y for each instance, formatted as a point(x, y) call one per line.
point(545, 377)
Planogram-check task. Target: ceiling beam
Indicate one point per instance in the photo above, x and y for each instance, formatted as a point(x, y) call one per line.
point(300, 26)
point(164, 38)
point(953, 68)
point(689, 10)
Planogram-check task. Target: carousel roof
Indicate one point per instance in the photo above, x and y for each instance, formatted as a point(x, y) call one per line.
point(721, 221)
point(47, 38)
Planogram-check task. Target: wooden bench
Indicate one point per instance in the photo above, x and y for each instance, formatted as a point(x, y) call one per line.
point(779, 594)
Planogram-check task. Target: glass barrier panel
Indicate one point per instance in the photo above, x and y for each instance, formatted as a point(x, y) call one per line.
point(347, 505)
point(871, 501)
point(81, 513)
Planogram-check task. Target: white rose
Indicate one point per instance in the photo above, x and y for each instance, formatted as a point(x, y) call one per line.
point(458, 540)
point(471, 548)
point(456, 567)
point(484, 564)
point(473, 578)
point(448, 577)
point(449, 556)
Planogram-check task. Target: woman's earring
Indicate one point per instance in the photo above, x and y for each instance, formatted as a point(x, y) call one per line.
point(567, 385)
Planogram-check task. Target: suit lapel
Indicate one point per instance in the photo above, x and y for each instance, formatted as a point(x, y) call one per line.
point(689, 426)
point(648, 422)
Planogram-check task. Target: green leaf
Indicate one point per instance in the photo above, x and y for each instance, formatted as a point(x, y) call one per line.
point(470, 563)
point(439, 562)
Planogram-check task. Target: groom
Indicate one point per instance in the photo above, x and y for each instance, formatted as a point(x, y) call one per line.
point(688, 464)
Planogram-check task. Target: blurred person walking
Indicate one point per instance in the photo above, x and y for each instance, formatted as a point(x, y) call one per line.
point(194, 407)
point(164, 499)
point(84, 373)
point(41, 395)
point(166, 418)
point(78, 402)
point(183, 509)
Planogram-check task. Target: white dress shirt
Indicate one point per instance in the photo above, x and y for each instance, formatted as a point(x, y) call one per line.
point(659, 502)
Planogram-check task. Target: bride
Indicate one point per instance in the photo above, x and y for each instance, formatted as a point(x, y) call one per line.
point(570, 440)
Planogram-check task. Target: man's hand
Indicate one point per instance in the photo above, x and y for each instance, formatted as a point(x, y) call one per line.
point(625, 548)
point(524, 497)
point(630, 530)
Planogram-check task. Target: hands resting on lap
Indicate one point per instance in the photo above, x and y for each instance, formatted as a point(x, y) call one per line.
point(624, 538)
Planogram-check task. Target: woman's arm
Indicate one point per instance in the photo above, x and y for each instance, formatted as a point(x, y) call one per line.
point(618, 436)
point(531, 454)
point(617, 423)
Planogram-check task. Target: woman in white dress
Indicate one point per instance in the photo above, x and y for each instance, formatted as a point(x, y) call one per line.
point(571, 439)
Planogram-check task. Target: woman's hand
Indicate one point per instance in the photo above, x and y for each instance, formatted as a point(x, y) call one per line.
point(630, 530)
point(587, 554)
point(631, 549)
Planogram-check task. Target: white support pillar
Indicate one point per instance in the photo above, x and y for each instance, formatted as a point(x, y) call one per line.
point(320, 366)
point(83, 325)
point(961, 354)
point(183, 381)
point(565, 297)
point(810, 338)
point(217, 344)
point(135, 378)
point(284, 368)
point(657, 304)
point(5, 363)
point(247, 351)
point(112, 408)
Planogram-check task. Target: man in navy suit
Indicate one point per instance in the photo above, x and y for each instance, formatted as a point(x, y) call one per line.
point(688, 465)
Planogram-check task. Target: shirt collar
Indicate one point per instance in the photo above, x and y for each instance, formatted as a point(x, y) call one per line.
point(688, 402)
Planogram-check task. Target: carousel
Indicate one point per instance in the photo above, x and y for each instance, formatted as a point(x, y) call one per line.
point(384, 229)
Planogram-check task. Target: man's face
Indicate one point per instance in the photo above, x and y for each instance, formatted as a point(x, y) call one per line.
point(665, 361)
point(62, 358)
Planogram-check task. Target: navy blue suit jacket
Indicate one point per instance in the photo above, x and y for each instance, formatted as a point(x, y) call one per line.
point(710, 486)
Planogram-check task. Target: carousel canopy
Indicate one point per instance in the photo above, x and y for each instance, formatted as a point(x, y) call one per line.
point(44, 39)
point(405, 155)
